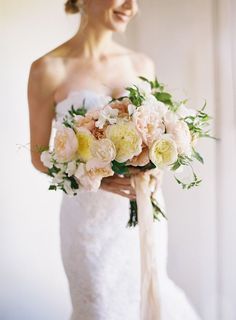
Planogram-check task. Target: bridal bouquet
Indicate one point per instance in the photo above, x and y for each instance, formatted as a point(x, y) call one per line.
point(145, 129)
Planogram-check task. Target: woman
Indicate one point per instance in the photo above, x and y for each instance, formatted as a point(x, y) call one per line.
point(100, 256)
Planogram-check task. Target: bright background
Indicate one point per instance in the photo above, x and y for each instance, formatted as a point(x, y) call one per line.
point(193, 45)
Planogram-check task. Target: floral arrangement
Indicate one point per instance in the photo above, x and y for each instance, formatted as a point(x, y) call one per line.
point(145, 129)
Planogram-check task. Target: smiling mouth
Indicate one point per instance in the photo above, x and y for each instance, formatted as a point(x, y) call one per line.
point(122, 16)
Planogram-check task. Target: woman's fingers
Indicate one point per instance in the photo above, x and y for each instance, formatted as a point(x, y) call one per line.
point(133, 170)
point(121, 190)
point(114, 185)
point(118, 180)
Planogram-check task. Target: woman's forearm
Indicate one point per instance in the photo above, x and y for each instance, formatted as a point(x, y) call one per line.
point(40, 167)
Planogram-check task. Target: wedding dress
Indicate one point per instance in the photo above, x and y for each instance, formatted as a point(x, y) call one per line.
point(101, 256)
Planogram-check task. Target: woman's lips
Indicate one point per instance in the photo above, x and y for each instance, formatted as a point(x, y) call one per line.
point(122, 16)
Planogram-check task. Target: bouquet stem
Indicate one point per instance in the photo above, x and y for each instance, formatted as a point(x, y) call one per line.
point(133, 217)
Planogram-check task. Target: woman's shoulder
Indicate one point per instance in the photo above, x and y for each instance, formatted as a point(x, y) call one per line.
point(47, 62)
point(47, 72)
point(49, 67)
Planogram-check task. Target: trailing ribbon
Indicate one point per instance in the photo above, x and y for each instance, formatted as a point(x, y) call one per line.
point(150, 300)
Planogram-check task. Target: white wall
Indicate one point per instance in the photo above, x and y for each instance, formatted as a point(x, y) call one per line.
point(225, 50)
point(33, 284)
point(179, 36)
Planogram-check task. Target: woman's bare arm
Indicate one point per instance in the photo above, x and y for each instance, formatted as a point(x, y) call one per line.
point(41, 86)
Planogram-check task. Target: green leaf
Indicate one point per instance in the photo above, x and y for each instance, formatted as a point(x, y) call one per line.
point(197, 155)
point(53, 170)
point(144, 79)
point(133, 217)
point(52, 187)
point(119, 168)
point(135, 96)
point(74, 183)
point(164, 97)
point(192, 184)
point(155, 84)
point(157, 209)
point(148, 166)
point(182, 160)
point(176, 165)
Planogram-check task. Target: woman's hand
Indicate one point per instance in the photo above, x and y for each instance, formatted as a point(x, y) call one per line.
point(120, 185)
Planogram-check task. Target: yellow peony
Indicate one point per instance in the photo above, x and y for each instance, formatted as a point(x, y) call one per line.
point(163, 152)
point(85, 140)
point(126, 139)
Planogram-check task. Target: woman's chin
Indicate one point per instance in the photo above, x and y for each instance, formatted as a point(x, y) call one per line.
point(118, 27)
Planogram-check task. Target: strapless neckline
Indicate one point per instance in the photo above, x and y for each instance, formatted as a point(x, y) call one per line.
point(81, 91)
point(90, 99)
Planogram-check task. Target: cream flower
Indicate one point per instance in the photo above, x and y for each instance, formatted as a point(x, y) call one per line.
point(90, 180)
point(65, 144)
point(163, 152)
point(45, 157)
point(126, 139)
point(103, 152)
point(180, 133)
point(71, 168)
point(149, 124)
point(58, 177)
point(85, 140)
point(107, 114)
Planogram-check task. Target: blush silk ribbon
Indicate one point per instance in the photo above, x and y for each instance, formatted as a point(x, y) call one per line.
point(150, 299)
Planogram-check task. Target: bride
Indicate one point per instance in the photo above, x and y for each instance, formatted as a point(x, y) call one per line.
point(101, 257)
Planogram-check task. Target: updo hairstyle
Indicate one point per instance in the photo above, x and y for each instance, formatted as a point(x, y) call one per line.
point(71, 6)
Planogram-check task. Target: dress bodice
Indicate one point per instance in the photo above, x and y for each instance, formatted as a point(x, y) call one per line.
point(88, 98)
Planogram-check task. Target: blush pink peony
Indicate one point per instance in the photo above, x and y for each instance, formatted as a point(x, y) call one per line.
point(149, 124)
point(86, 122)
point(180, 133)
point(65, 144)
point(90, 180)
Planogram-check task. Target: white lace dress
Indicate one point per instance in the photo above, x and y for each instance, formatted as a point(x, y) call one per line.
point(101, 255)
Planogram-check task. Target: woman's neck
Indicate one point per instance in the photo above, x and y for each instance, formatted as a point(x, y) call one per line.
point(93, 43)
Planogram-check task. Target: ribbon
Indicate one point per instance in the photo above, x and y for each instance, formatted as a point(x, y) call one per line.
point(150, 300)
